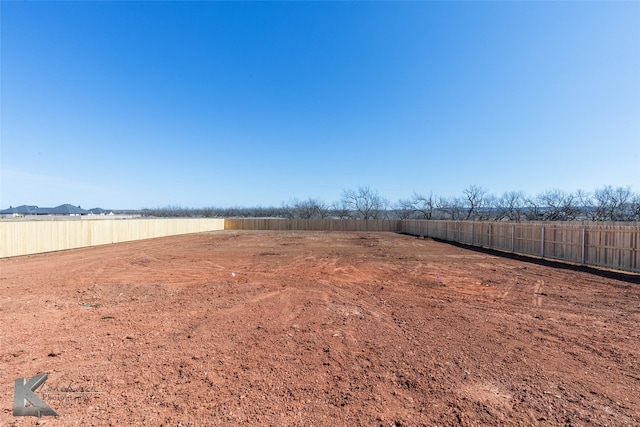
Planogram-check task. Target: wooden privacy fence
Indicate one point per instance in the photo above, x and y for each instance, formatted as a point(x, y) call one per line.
point(30, 237)
point(312, 224)
point(592, 244)
point(598, 245)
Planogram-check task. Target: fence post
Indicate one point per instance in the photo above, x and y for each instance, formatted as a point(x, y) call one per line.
point(584, 230)
point(489, 235)
point(513, 238)
point(542, 243)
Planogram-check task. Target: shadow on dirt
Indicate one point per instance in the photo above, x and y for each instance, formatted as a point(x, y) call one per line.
point(608, 274)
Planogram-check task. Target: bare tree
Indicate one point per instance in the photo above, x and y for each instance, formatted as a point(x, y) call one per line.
point(474, 200)
point(510, 206)
point(604, 204)
point(450, 208)
point(404, 209)
point(635, 207)
point(341, 210)
point(613, 204)
point(424, 205)
point(558, 206)
point(584, 203)
point(417, 207)
point(364, 203)
point(533, 209)
point(309, 209)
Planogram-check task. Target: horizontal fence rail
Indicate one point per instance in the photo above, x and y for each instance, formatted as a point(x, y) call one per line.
point(30, 237)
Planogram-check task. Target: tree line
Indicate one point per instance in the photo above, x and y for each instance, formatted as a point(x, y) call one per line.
point(474, 203)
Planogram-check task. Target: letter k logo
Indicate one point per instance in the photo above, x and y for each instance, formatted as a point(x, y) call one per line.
point(24, 393)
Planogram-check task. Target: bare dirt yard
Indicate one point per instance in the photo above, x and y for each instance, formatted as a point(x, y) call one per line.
point(316, 328)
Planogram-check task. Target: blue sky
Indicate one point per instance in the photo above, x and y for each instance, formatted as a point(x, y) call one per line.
point(149, 104)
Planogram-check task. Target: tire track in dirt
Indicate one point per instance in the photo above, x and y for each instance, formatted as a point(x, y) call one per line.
point(537, 293)
point(509, 288)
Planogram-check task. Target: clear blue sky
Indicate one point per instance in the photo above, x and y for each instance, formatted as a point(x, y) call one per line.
point(149, 104)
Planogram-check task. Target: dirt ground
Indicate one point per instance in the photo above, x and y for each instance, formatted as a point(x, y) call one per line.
point(316, 328)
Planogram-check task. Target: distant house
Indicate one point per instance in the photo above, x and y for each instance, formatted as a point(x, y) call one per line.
point(66, 210)
point(19, 211)
point(99, 211)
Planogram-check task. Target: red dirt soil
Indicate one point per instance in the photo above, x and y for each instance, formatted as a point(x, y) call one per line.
point(316, 328)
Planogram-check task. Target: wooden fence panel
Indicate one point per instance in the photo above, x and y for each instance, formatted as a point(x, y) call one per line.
point(608, 245)
point(503, 237)
point(275, 224)
point(30, 237)
point(482, 237)
point(611, 246)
